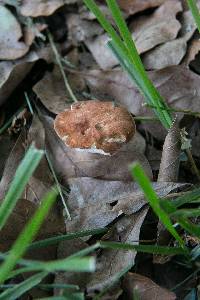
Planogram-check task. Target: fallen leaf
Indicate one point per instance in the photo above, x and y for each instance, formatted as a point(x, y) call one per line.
point(170, 161)
point(158, 28)
point(12, 163)
point(177, 84)
point(41, 181)
point(147, 32)
point(12, 73)
point(65, 249)
point(172, 52)
point(10, 35)
point(145, 288)
point(70, 163)
point(80, 29)
point(7, 143)
point(23, 211)
point(36, 8)
point(95, 203)
point(55, 95)
point(133, 6)
point(97, 46)
point(125, 230)
point(193, 50)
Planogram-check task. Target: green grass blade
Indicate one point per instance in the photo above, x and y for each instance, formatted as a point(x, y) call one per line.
point(129, 67)
point(75, 264)
point(186, 213)
point(27, 235)
point(130, 54)
point(22, 176)
point(105, 24)
point(145, 184)
point(18, 290)
point(65, 237)
point(144, 248)
point(189, 226)
point(192, 196)
point(195, 12)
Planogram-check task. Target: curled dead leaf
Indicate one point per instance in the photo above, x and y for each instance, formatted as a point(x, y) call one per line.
point(169, 166)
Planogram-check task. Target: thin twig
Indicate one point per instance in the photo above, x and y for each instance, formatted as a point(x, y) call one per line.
point(58, 60)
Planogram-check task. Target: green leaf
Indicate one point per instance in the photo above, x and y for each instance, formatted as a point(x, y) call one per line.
point(145, 184)
point(22, 176)
point(27, 235)
point(18, 290)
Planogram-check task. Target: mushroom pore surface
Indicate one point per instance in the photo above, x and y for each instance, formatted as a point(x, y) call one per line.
point(95, 125)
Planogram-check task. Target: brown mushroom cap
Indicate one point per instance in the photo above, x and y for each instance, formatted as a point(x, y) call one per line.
point(95, 125)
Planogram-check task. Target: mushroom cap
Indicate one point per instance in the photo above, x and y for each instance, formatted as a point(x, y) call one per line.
point(95, 125)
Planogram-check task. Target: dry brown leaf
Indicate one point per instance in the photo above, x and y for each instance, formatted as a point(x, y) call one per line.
point(70, 163)
point(42, 180)
point(172, 52)
point(169, 166)
point(80, 29)
point(128, 198)
point(12, 73)
point(97, 46)
point(10, 35)
point(133, 6)
point(147, 31)
point(126, 230)
point(145, 288)
point(193, 50)
point(36, 8)
point(178, 85)
point(55, 96)
point(95, 203)
point(23, 211)
point(12, 163)
point(65, 249)
point(160, 27)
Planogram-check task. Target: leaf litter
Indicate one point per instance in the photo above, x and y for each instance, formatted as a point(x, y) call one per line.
point(98, 188)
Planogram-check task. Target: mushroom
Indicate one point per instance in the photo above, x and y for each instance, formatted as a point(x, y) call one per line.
point(101, 127)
